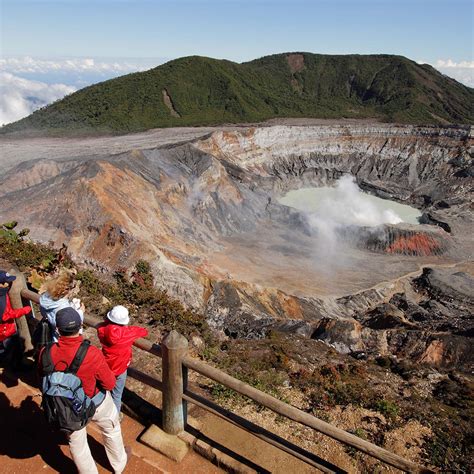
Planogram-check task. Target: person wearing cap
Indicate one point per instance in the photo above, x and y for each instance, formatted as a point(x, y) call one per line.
point(97, 381)
point(117, 339)
point(10, 342)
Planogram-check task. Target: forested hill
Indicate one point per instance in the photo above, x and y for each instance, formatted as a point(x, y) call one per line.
point(204, 91)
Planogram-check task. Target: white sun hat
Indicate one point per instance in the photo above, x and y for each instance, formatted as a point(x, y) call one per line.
point(119, 315)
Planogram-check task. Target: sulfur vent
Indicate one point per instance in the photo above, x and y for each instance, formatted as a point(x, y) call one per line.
point(410, 242)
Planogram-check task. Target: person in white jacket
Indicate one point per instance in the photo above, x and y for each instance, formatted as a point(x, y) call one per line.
point(58, 293)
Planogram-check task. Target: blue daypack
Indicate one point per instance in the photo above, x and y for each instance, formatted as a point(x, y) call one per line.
point(65, 404)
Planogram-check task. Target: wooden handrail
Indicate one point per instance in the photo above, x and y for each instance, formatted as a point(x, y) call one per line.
point(301, 417)
point(264, 399)
point(243, 423)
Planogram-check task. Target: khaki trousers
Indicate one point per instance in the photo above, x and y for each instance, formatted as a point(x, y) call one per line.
point(107, 419)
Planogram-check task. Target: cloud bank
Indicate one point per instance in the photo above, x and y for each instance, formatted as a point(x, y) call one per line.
point(28, 83)
point(28, 64)
point(462, 71)
point(19, 97)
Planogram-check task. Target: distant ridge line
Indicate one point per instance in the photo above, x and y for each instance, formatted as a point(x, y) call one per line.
point(196, 90)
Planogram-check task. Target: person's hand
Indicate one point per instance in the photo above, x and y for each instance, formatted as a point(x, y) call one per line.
point(77, 304)
point(83, 308)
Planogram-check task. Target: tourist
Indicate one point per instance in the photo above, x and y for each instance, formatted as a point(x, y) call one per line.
point(117, 339)
point(97, 381)
point(57, 293)
point(11, 345)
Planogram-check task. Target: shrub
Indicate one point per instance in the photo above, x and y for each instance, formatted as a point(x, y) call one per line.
point(146, 300)
point(226, 395)
point(387, 408)
point(27, 255)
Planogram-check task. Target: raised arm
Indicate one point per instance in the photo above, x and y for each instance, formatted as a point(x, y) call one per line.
point(11, 313)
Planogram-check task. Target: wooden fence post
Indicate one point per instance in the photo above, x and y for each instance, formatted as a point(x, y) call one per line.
point(17, 302)
point(174, 349)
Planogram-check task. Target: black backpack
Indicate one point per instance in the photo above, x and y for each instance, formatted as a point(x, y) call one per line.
point(42, 334)
point(65, 404)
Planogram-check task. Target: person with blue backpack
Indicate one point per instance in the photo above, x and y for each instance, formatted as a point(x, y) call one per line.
point(76, 383)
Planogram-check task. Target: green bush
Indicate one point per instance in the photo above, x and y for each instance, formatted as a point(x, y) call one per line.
point(136, 291)
point(28, 255)
point(225, 395)
point(387, 408)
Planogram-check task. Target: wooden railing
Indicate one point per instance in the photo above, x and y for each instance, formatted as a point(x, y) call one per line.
point(176, 395)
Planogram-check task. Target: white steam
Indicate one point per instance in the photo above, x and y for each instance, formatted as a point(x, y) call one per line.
point(338, 207)
point(347, 204)
point(334, 213)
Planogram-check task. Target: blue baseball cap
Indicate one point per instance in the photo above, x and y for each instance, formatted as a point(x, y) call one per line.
point(68, 320)
point(5, 277)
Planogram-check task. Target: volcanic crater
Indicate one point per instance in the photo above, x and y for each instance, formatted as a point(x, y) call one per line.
point(202, 205)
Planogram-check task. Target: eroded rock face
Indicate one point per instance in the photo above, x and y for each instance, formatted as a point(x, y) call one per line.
point(205, 214)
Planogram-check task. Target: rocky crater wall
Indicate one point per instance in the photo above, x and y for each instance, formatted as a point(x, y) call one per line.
point(205, 214)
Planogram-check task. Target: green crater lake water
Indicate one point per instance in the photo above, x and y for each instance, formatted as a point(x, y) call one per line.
point(346, 203)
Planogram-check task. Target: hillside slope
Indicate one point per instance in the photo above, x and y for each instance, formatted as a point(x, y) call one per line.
point(203, 91)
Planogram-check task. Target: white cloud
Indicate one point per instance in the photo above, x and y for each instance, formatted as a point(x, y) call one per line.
point(449, 63)
point(462, 71)
point(28, 83)
point(19, 97)
point(28, 64)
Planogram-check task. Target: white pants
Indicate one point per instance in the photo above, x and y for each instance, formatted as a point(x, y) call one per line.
point(107, 419)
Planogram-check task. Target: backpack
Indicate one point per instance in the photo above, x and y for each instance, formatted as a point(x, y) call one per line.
point(65, 404)
point(42, 334)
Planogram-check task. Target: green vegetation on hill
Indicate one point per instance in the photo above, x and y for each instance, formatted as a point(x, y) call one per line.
point(204, 91)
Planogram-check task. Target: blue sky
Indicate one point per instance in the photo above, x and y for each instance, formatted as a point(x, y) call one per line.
point(73, 43)
point(237, 29)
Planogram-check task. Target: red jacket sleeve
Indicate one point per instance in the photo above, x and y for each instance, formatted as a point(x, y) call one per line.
point(104, 376)
point(137, 332)
point(123, 335)
point(11, 313)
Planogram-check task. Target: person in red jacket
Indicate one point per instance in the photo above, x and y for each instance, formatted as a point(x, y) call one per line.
point(10, 342)
point(97, 381)
point(117, 339)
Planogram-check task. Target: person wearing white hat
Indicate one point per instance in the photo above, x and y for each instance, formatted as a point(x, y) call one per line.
point(119, 315)
point(117, 339)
